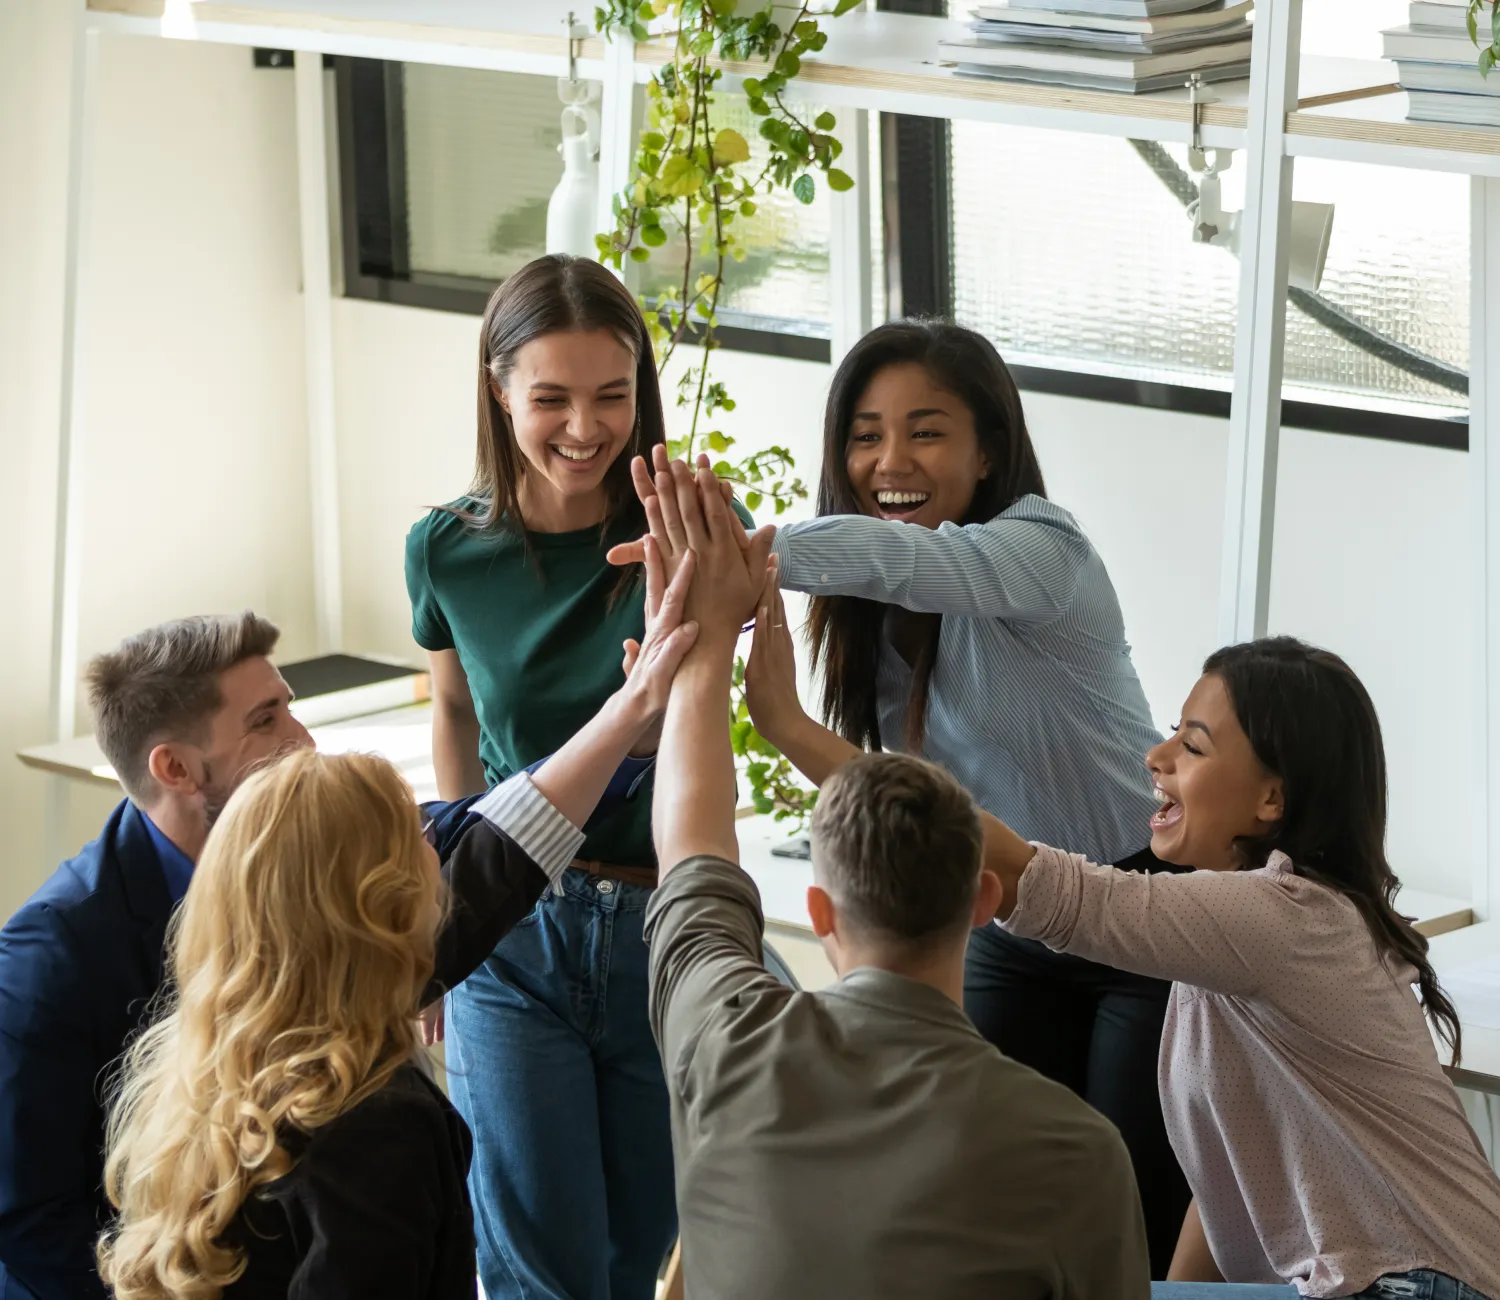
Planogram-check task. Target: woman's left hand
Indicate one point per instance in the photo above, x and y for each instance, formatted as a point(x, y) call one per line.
point(651, 664)
point(771, 673)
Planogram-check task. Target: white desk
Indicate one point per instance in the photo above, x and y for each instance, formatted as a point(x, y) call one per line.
point(1480, 1066)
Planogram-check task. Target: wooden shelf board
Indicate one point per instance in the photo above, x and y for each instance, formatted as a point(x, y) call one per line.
point(1383, 121)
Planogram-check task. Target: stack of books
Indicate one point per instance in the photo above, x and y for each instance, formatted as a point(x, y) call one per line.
point(1125, 45)
point(1438, 66)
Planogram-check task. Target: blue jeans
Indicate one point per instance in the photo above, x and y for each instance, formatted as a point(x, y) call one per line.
point(552, 1063)
point(1422, 1284)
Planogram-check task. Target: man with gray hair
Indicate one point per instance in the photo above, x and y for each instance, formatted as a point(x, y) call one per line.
point(183, 712)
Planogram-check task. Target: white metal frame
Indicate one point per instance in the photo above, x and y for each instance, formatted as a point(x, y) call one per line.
point(317, 318)
point(1273, 136)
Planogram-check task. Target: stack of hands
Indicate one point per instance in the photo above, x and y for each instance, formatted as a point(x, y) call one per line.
point(706, 577)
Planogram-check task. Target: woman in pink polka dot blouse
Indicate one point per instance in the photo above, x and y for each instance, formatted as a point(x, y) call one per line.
point(1303, 1092)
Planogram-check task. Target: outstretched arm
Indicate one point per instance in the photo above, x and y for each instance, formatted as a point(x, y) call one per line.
point(816, 752)
point(693, 807)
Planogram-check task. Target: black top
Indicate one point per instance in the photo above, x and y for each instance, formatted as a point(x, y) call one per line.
point(375, 1206)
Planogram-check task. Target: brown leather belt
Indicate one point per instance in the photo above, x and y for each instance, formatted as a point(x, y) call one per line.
point(643, 876)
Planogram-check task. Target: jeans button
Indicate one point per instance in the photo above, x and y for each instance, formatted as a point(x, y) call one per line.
point(605, 886)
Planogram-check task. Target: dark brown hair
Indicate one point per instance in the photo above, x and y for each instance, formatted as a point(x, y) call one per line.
point(553, 294)
point(899, 845)
point(1312, 723)
point(847, 631)
point(163, 684)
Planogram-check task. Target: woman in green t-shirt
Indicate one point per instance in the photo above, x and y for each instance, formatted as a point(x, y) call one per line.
point(550, 1055)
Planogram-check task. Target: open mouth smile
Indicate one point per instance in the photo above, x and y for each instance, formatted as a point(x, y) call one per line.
point(899, 505)
point(1169, 814)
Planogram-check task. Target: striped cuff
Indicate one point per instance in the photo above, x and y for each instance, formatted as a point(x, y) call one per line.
point(518, 809)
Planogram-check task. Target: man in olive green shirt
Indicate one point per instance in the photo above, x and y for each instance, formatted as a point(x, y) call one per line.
point(862, 1141)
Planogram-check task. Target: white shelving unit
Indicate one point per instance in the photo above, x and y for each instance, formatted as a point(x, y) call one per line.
point(1290, 107)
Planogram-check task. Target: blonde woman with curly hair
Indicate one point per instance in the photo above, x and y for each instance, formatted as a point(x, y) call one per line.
point(273, 1133)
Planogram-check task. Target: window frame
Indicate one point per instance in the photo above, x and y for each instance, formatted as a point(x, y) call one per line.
point(918, 259)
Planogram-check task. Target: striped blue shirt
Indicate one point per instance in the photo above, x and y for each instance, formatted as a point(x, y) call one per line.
point(1034, 704)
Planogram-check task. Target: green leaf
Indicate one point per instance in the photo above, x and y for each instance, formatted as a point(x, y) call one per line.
point(752, 501)
point(839, 181)
point(1486, 61)
point(718, 442)
point(728, 404)
point(803, 188)
point(752, 87)
point(762, 803)
point(825, 121)
point(731, 147)
point(844, 6)
point(653, 236)
point(681, 176)
point(639, 254)
point(759, 107)
point(738, 732)
point(788, 65)
point(1469, 21)
point(747, 209)
point(654, 140)
point(639, 32)
point(722, 467)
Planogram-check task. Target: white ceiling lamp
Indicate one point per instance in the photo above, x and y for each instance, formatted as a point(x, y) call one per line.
point(1311, 223)
point(572, 211)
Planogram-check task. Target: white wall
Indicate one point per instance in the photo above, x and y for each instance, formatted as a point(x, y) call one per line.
point(195, 495)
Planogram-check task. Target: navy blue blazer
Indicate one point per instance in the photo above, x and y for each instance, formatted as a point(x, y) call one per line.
point(79, 966)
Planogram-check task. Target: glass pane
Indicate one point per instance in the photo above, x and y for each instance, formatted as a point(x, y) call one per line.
point(783, 282)
point(1070, 253)
point(481, 163)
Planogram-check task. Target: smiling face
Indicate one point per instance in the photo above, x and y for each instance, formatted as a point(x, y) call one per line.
point(1213, 789)
point(254, 724)
point(571, 401)
point(912, 452)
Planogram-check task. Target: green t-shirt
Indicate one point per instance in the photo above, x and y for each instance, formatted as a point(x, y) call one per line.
point(540, 641)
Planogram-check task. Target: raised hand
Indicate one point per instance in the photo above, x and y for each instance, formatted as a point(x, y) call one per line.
point(647, 489)
point(730, 579)
point(771, 673)
point(651, 663)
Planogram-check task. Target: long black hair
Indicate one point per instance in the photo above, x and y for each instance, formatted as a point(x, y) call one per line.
point(1312, 724)
point(846, 630)
point(549, 295)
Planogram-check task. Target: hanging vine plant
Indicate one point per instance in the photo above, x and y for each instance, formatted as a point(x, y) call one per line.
point(694, 191)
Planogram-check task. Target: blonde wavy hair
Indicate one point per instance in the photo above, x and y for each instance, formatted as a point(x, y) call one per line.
point(297, 961)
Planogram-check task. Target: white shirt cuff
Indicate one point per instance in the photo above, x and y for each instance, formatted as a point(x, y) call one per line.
point(518, 809)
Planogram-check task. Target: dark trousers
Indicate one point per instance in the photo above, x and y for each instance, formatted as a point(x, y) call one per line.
point(1096, 1030)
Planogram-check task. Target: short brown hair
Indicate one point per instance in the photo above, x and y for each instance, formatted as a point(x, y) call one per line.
point(163, 684)
point(899, 845)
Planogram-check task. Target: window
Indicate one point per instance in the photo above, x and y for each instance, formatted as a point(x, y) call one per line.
point(1071, 253)
point(446, 177)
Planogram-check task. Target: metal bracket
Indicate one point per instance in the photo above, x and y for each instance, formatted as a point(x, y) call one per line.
point(1197, 158)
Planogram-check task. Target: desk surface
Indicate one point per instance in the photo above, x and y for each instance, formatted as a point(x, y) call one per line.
point(1480, 1066)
